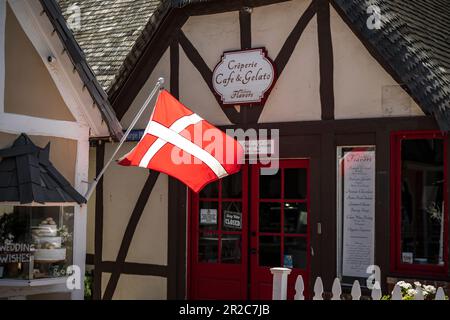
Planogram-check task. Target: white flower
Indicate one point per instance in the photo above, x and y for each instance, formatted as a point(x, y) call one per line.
point(417, 284)
point(430, 289)
point(404, 285)
point(411, 292)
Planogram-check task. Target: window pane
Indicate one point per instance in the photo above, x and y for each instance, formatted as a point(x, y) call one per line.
point(232, 186)
point(270, 186)
point(210, 191)
point(269, 251)
point(35, 242)
point(422, 201)
point(208, 215)
point(232, 216)
point(208, 248)
point(295, 218)
point(15, 242)
point(295, 250)
point(269, 217)
point(231, 249)
point(295, 181)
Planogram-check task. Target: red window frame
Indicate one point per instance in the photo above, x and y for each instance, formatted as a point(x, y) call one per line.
point(396, 264)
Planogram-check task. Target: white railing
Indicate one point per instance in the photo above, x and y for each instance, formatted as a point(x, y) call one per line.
point(280, 279)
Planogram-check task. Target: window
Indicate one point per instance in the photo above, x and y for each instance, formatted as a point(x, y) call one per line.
point(35, 241)
point(419, 207)
point(221, 221)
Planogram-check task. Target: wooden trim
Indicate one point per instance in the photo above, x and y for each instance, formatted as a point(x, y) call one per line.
point(346, 126)
point(140, 269)
point(176, 248)
point(98, 236)
point(382, 225)
point(129, 233)
point(90, 258)
point(154, 50)
point(396, 265)
point(206, 73)
point(251, 113)
point(200, 9)
point(245, 28)
point(325, 59)
point(78, 101)
point(291, 42)
point(2, 55)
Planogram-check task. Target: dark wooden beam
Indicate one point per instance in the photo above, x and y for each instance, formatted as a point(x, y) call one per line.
point(325, 59)
point(90, 259)
point(350, 126)
point(291, 42)
point(140, 269)
point(129, 233)
point(98, 236)
point(226, 6)
point(206, 73)
point(176, 247)
point(151, 55)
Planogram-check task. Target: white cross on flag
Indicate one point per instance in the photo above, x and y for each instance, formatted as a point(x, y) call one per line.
point(181, 144)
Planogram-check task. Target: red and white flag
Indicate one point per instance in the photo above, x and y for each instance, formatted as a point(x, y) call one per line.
point(181, 144)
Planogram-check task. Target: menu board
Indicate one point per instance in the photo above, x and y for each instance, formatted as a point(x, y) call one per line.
point(358, 211)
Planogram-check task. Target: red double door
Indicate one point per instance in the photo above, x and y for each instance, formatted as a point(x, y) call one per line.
point(245, 224)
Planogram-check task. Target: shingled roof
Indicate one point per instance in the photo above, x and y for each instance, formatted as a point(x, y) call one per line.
point(28, 176)
point(82, 67)
point(413, 43)
point(109, 30)
point(414, 40)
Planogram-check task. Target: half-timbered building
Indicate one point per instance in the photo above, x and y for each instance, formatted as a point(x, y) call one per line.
point(360, 96)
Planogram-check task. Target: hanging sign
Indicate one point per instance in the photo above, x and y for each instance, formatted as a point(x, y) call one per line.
point(232, 220)
point(208, 216)
point(244, 77)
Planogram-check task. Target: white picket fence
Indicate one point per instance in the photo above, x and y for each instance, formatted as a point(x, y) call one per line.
point(280, 278)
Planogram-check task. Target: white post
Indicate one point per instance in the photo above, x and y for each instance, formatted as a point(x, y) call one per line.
point(280, 277)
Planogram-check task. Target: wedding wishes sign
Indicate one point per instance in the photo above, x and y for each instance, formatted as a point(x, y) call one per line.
point(243, 77)
point(358, 208)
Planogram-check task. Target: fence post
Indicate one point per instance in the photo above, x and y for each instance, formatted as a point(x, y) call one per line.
point(279, 287)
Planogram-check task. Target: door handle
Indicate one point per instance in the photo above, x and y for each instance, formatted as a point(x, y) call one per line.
point(253, 251)
point(312, 251)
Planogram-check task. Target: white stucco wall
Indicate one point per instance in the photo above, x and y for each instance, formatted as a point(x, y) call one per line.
point(122, 187)
point(363, 89)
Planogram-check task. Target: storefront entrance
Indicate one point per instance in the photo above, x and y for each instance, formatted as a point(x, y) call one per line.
point(245, 224)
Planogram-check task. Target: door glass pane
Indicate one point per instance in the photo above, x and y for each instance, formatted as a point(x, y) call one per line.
point(270, 217)
point(231, 249)
point(232, 216)
point(208, 215)
point(270, 186)
point(295, 218)
point(232, 186)
point(208, 248)
point(269, 251)
point(295, 250)
point(210, 191)
point(295, 181)
point(422, 202)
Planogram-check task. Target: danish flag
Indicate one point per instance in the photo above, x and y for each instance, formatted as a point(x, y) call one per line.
point(181, 144)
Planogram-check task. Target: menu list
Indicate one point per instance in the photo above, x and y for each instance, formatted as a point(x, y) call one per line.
point(358, 212)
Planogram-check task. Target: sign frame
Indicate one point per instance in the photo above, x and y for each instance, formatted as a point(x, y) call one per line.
point(265, 95)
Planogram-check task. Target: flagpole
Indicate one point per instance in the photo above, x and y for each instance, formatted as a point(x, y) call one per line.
point(159, 85)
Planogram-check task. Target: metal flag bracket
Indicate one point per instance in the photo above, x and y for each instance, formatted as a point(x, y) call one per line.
point(158, 86)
